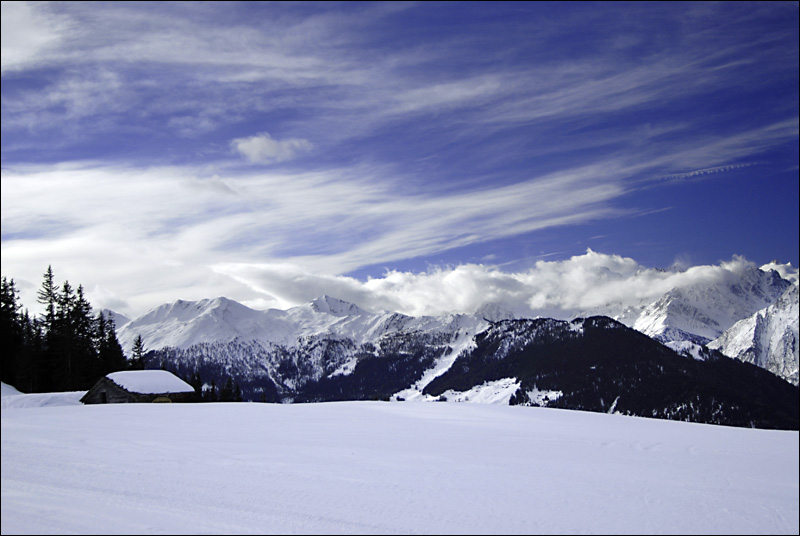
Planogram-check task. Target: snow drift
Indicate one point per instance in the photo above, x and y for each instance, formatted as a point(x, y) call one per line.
point(382, 467)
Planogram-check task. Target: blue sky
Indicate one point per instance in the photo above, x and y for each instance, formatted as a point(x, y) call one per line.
point(268, 151)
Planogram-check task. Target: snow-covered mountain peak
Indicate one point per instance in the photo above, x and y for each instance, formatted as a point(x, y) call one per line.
point(700, 312)
point(786, 271)
point(770, 338)
point(335, 306)
point(185, 322)
point(184, 310)
point(494, 312)
point(118, 318)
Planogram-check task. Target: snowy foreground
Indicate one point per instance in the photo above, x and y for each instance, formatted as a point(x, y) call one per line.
point(384, 467)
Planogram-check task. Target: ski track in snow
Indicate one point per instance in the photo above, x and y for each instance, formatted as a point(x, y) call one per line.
point(384, 467)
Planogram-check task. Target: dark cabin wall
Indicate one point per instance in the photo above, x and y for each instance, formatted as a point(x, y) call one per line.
point(114, 394)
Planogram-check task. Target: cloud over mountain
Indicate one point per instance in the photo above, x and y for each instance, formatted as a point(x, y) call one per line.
point(556, 289)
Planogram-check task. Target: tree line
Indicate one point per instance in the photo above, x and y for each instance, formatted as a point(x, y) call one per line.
point(66, 348)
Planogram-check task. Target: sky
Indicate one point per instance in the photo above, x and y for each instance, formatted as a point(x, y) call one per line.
point(383, 468)
point(272, 152)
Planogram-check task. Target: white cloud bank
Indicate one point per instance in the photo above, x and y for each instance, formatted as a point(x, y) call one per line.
point(263, 149)
point(558, 289)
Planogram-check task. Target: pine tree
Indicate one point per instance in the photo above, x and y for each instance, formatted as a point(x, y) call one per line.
point(82, 329)
point(211, 393)
point(29, 361)
point(116, 356)
point(110, 357)
point(48, 296)
point(61, 341)
point(11, 332)
point(226, 393)
point(99, 339)
point(47, 366)
point(137, 360)
point(196, 382)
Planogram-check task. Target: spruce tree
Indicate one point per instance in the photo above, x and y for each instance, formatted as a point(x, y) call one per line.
point(100, 327)
point(47, 372)
point(196, 382)
point(110, 356)
point(85, 354)
point(62, 344)
point(30, 360)
point(226, 393)
point(137, 360)
point(116, 357)
point(11, 331)
point(211, 393)
point(48, 296)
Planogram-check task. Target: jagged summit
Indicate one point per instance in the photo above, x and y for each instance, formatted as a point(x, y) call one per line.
point(335, 306)
point(786, 271)
point(186, 322)
point(186, 309)
point(329, 337)
point(769, 338)
point(701, 312)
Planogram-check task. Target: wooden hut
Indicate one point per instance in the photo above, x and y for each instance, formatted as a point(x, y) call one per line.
point(130, 386)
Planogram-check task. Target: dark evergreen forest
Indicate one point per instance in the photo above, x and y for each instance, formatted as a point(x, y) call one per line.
point(606, 365)
point(66, 348)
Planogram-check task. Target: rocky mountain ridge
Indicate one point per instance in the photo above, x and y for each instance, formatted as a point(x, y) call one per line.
point(768, 338)
point(684, 318)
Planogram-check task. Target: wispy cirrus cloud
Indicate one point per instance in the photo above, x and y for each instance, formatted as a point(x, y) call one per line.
point(184, 223)
point(330, 139)
point(323, 66)
point(28, 34)
point(157, 219)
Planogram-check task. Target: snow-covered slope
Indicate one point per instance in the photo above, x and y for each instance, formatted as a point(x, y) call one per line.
point(768, 338)
point(119, 319)
point(387, 468)
point(12, 398)
point(185, 323)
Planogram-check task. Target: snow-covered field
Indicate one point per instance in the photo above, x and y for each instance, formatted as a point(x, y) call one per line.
point(383, 467)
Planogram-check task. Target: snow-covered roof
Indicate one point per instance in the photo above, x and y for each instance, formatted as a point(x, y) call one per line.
point(149, 381)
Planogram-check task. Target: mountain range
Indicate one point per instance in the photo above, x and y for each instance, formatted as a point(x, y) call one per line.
point(603, 360)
